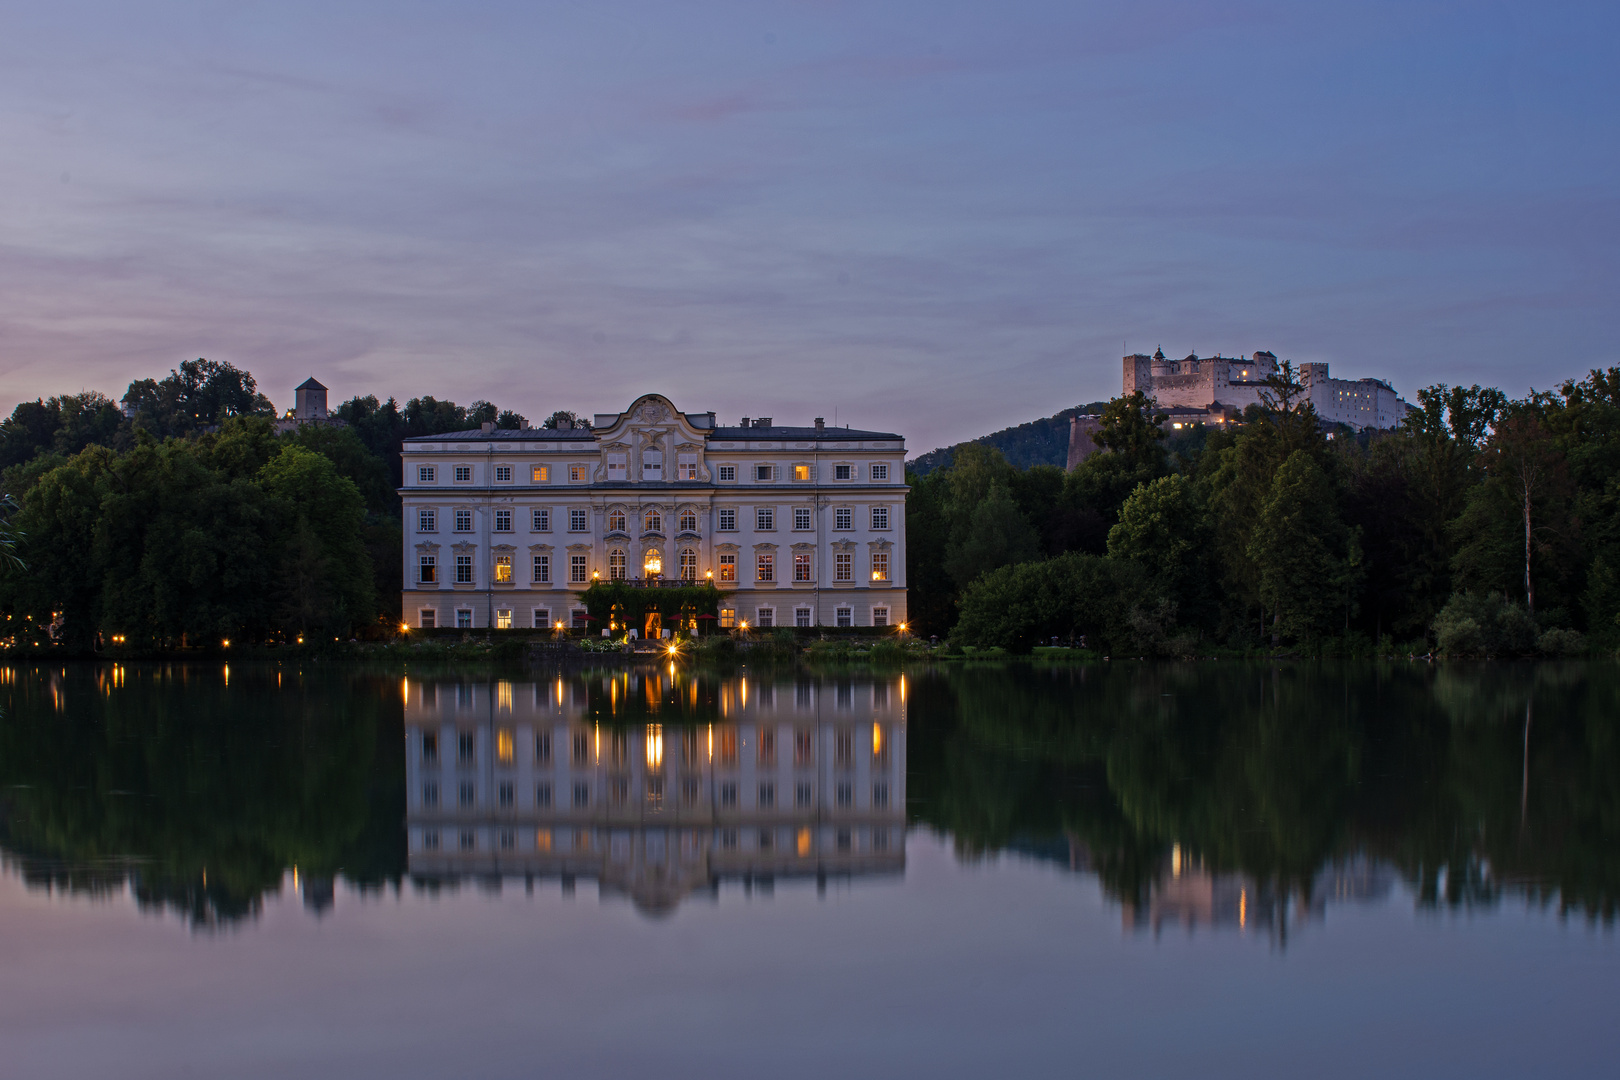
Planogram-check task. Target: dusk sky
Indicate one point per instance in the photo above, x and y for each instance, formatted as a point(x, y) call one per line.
point(937, 218)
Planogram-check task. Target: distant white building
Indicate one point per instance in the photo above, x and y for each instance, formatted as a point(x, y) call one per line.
point(1234, 383)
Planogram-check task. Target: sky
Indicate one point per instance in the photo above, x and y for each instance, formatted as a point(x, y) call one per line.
point(936, 218)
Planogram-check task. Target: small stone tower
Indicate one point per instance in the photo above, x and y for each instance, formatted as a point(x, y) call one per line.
point(309, 401)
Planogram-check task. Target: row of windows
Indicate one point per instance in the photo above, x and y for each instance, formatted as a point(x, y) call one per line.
point(728, 840)
point(691, 792)
point(694, 747)
point(652, 468)
point(764, 616)
point(501, 571)
point(427, 520)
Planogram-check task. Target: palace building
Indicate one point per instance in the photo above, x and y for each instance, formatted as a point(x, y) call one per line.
point(797, 526)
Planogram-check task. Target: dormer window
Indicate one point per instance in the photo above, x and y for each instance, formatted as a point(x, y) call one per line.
point(652, 465)
point(686, 466)
point(618, 467)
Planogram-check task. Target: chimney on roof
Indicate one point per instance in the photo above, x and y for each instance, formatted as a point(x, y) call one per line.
point(762, 421)
point(745, 421)
point(821, 423)
point(489, 426)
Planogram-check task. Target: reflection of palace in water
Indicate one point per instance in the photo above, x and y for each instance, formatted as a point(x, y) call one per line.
point(655, 783)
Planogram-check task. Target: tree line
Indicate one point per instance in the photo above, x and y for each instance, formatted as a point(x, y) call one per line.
point(1480, 526)
point(178, 515)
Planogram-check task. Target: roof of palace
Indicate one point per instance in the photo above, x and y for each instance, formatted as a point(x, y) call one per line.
point(724, 434)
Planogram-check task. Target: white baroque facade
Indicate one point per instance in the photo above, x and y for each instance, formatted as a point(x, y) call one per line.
point(797, 526)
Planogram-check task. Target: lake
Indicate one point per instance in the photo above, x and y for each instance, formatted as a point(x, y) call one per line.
point(1130, 869)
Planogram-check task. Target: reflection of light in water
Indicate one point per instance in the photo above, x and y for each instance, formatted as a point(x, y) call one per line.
point(404, 689)
point(877, 739)
point(503, 695)
point(504, 746)
point(655, 746)
point(1175, 860)
point(1243, 909)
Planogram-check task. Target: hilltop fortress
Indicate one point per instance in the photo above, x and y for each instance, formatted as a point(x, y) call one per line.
point(1199, 389)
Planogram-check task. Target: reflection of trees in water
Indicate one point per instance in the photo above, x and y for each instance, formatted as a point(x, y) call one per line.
point(194, 796)
point(1274, 773)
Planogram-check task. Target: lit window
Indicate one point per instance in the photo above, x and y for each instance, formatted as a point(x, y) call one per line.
point(427, 570)
point(843, 566)
point(843, 518)
point(845, 617)
point(880, 566)
point(764, 519)
point(577, 521)
point(728, 618)
point(801, 472)
point(652, 521)
point(540, 520)
point(618, 466)
point(652, 465)
point(576, 568)
point(576, 474)
point(765, 566)
point(503, 576)
point(728, 521)
point(880, 517)
point(503, 521)
point(540, 474)
point(687, 465)
point(688, 564)
point(463, 474)
point(426, 474)
point(688, 521)
point(880, 616)
point(464, 569)
point(880, 472)
point(801, 616)
point(801, 518)
point(503, 474)
point(728, 472)
point(728, 567)
point(542, 573)
point(616, 521)
point(764, 474)
point(463, 521)
point(427, 520)
point(542, 621)
point(616, 564)
point(843, 472)
point(802, 567)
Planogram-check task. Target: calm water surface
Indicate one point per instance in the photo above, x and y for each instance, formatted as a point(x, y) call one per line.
point(1219, 870)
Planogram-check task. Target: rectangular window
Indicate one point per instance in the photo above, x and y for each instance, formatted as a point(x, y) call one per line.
point(503, 521)
point(618, 466)
point(582, 748)
point(801, 795)
point(728, 472)
point(764, 474)
point(843, 472)
point(728, 521)
point(728, 618)
point(767, 796)
point(880, 616)
point(542, 796)
point(579, 618)
point(845, 617)
point(687, 464)
point(542, 747)
point(464, 569)
point(801, 519)
point(846, 798)
point(466, 794)
point(880, 796)
point(463, 521)
point(652, 465)
point(503, 474)
point(542, 618)
point(504, 795)
point(427, 520)
point(542, 572)
point(764, 519)
point(801, 473)
point(578, 521)
point(427, 572)
point(426, 474)
point(880, 472)
point(582, 794)
point(843, 566)
point(801, 616)
point(428, 618)
point(802, 567)
point(728, 567)
point(767, 746)
point(880, 518)
point(539, 520)
point(728, 795)
point(765, 566)
point(430, 794)
point(576, 568)
point(843, 519)
point(577, 474)
point(463, 474)
point(880, 566)
point(503, 618)
point(540, 474)
point(765, 618)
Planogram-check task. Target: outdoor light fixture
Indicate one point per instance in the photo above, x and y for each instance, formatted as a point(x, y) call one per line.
point(226, 643)
point(404, 628)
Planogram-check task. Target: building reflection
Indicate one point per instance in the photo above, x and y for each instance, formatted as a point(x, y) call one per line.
point(654, 783)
